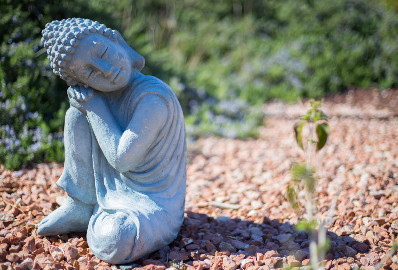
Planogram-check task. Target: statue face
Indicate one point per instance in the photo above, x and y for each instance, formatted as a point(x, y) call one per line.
point(100, 63)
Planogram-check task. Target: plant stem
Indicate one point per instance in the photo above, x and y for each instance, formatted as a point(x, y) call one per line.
point(310, 145)
point(326, 222)
point(388, 256)
point(309, 204)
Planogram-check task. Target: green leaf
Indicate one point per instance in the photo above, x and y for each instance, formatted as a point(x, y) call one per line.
point(298, 131)
point(320, 115)
point(292, 197)
point(306, 225)
point(315, 104)
point(325, 247)
point(310, 181)
point(322, 131)
point(300, 174)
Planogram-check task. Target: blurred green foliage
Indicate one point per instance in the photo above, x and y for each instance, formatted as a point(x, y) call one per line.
point(33, 100)
point(259, 50)
point(222, 58)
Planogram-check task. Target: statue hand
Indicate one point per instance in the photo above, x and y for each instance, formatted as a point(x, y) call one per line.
point(81, 97)
point(80, 93)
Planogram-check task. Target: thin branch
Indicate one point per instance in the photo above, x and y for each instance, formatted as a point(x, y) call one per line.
point(14, 206)
point(388, 256)
point(225, 205)
point(333, 205)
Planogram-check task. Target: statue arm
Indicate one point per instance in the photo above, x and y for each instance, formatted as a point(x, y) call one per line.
point(125, 149)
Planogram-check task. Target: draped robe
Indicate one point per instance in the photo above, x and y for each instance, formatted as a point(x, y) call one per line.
point(141, 210)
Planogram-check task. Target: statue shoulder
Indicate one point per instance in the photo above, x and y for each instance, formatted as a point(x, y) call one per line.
point(151, 85)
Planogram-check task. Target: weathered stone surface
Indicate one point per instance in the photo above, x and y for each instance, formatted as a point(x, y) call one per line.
point(293, 262)
point(210, 246)
point(361, 247)
point(3, 250)
point(270, 254)
point(394, 225)
point(246, 262)
point(120, 126)
point(301, 255)
point(227, 247)
point(229, 264)
point(12, 257)
point(238, 244)
point(25, 264)
point(70, 252)
point(349, 251)
point(274, 262)
point(57, 254)
point(178, 255)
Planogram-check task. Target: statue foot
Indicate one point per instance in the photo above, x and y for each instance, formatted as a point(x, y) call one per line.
point(72, 216)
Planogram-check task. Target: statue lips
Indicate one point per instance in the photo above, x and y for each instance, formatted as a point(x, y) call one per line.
point(116, 75)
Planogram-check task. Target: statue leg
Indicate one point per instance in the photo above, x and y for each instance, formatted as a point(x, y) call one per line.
point(111, 236)
point(77, 179)
point(121, 237)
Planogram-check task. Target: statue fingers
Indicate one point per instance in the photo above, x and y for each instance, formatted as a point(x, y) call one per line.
point(78, 95)
point(83, 95)
point(71, 93)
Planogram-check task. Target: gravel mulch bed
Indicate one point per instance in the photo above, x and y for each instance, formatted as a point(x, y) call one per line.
point(236, 214)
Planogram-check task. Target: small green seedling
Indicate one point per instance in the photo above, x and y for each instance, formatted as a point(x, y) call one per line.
point(301, 188)
point(303, 175)
point(313, 117)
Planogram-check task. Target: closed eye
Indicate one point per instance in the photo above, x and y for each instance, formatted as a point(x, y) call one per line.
point(104, 52)
point(91, 72)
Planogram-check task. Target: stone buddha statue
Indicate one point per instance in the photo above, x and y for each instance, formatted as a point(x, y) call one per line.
point(125, 148)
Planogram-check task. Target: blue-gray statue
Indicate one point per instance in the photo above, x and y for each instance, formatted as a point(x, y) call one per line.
point(125, 149)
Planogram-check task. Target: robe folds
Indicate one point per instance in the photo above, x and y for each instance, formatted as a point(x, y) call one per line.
point(141, 210)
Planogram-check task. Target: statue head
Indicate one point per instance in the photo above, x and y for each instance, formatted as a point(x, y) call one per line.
point(84, 52)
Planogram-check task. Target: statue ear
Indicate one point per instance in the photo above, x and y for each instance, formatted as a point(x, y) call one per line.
point(137, 59)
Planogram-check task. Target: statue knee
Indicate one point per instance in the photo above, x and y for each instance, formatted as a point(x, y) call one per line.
point(73, 114)
point(77, 127)
point(111, 237)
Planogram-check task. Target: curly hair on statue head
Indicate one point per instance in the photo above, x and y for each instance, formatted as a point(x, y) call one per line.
point(61, 39)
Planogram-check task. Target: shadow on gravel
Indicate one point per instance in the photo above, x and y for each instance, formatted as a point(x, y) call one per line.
point(202, 234)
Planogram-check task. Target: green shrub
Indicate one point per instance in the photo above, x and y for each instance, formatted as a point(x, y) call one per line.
point(32, 100)
point(260, 50)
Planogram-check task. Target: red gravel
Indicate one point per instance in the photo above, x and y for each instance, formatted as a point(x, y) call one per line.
point(236, 215)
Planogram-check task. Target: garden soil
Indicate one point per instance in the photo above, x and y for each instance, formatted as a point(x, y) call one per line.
point(236, 214)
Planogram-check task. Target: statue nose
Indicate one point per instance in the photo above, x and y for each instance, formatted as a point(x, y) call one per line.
point(106, 69)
